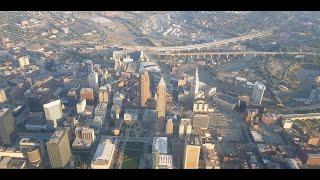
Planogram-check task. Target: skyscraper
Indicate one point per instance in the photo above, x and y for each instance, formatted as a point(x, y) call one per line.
point(104, 94)
point(53, 111)
point(59, 149)
point(144, 88)
point(195, 84)
point(93, 80)
point(257, 93)
point(6, 126)
point(185, 127)
point(191, 153)
point(161, 98)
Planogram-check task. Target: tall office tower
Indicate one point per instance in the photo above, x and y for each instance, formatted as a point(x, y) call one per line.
point(23, 61)
point(144, 88)
point(81, 106)
point(87, 93)
point(185, 127)
point(191, 153)
point(161, 98)
point(53, 111)
point(72, 97)
point(92, 79)
point(195, 84)
point(169, 128)
point(3, 97)
point(58, 148)
point(85, 133)
point(257, 93)
point(104, 93)
point(6, 126)
point(89, 66)
point(35, 102)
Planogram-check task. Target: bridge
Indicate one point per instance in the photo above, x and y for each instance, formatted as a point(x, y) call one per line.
point(302, 108)
point(199, 46)
point(302, 116)
point(235, 53)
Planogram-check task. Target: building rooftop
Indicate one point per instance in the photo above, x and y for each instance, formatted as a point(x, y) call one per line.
point(52, 104)
point(316, 155)
point(57, 135)
point(193, 141)
point(81, 143)
point(260, 85)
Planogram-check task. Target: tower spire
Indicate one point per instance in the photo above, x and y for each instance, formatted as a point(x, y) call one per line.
point(195, 84)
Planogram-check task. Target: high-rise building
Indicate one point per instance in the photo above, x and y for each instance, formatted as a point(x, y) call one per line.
point(92, 79)
point(58, 148)
point(89, 66)
point(84, 138)
point(3, 97)
point(169, 128)
point(6, 126)
point(257, 93)
point(161, 98)
point(185, 127)
point(104, 94)
point(101, 110)
point(23, 61)
point(81, 106)
point(72, 97)
point(195, 84)
point(163, 161)
point(160, 157)
point(87, 93)
point(191, 153)
point(144, 88)
point(53, 111)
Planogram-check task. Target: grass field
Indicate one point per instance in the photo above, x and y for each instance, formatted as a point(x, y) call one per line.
point(132, 152)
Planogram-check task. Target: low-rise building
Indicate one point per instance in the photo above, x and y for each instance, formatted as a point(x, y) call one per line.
point(313, 160)
point(210, 156)
point(104, 155)
point(225, 100)
point(200, 121)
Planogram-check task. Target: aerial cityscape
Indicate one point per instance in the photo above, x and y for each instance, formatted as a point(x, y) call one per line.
point(159, 90)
